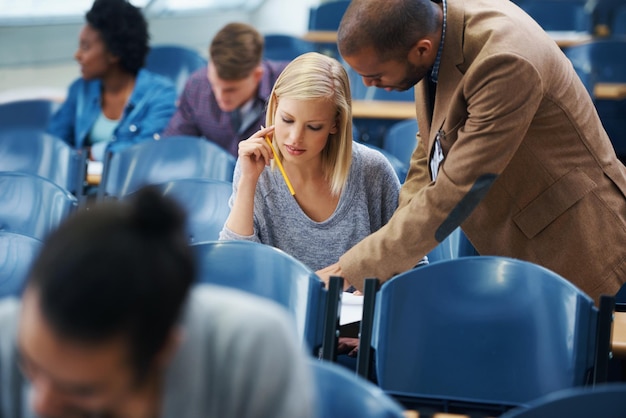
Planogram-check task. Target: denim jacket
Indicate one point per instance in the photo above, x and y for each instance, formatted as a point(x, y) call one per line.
point(149, 109)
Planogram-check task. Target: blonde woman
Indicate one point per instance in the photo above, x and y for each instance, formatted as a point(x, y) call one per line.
point(344, 191)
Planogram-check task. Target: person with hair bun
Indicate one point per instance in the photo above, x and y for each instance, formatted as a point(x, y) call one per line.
point(116, 103)
point(110, 326)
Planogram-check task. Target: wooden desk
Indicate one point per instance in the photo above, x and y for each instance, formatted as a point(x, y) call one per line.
point(562, 38)
point(569, 38)
point(379, 109)
point(321, 36)
point(415, 414)
point(94, 172)
point(610, 91)
point(618, 335)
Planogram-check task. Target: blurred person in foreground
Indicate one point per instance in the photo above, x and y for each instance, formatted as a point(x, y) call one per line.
point(110, 326)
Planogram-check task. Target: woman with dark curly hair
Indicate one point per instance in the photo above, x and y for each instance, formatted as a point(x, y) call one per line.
point(115, 103)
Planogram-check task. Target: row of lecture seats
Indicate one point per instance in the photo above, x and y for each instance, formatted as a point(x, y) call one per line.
point(172, 158)
point(480, 335)
point(601, 16)
point(244, 265)
point(33, 151)
point(560, 15)
point(193, 171)
point(603, 61)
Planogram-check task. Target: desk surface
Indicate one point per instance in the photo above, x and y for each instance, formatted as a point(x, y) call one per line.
point(562, 38)
point(569, 38)
point(379, 109)
point(618, 336)
point(610, 91)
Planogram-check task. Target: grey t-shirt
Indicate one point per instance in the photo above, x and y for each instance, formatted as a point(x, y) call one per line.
point(239, 357)
point(367, 202)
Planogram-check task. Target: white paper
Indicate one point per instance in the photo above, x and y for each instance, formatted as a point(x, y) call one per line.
point(351, 308)
point(94, 168)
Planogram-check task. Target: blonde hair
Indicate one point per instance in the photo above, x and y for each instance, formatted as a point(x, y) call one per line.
point(316, 76)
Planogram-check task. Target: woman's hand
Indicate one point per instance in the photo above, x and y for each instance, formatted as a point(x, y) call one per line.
point(255, 154)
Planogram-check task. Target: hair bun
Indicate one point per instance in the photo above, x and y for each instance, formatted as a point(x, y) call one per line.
point(154, 213)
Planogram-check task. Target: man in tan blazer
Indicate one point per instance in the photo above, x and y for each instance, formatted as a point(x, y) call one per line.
point(510, 148)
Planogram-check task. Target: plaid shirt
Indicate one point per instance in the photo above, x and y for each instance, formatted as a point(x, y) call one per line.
point(199, 115)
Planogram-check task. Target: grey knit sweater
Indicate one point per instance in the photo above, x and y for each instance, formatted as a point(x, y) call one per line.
point(366, 204)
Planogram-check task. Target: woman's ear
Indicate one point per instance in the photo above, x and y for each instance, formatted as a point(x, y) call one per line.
point(334, 129)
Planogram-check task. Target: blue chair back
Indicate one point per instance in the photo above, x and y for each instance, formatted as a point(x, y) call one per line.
point(17, 253)
point(606, 401)
point(327, 16)
point(560, 15)
point(375, 93)
point(399, 167)
point(454, 246)
point(172, 158)
point(342, 394)
point(33, 151)
point(601, 61)
point(400, 140)
point(271, 273)
point(33, 113)
point(206, 203)
point(618, 25)
point(32, 205)
point(490, 331)
point(279, 47)
point(174, 62)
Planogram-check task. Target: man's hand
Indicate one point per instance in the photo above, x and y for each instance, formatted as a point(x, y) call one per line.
point(332, 270)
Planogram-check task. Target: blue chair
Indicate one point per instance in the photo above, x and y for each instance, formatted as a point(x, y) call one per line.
point(204, 200)
point(172, 158)
point(376, 93)
point(560, 15)
point(32, 205)
point(606, 401)
point(327, 16)
point(400, 140)
point(480, 334)
point(341, 394)
point(33, 113)
point(602, 61)
point(280, 47)
point(454, 246)
point(33, 151)
point(399, 167)
point(618, 21)
point(17, 253)
point(271, 273)
point(174, 62)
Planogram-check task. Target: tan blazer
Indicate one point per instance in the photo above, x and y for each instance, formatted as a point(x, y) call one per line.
point(529, 171)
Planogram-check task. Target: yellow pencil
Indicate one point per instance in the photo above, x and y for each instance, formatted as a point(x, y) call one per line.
point(280, 165)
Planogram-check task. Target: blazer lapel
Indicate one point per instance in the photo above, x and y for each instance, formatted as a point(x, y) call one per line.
point(449, 76)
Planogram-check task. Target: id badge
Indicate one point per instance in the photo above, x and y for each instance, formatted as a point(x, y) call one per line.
point(436, 158)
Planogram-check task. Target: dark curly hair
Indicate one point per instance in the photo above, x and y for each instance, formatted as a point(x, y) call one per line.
point(130, 282)
point(123, 29)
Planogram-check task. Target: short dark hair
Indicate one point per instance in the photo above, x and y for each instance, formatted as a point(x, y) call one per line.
point(119, 269)
point(236, 50)
point(390, 27)
point(124, 31)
